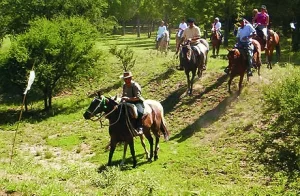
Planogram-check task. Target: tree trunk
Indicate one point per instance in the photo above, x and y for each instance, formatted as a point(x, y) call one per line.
point(123, 27)
point(138, 31)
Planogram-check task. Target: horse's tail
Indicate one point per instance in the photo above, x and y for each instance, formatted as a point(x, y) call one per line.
point(164, 129)
point(278, 53)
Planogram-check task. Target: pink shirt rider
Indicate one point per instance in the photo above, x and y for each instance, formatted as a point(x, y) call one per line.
point(261, 18)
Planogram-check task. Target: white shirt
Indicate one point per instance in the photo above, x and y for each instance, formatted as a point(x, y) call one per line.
point(182, 26)
point(217, 26)
point(246, 31)
point(161, 30)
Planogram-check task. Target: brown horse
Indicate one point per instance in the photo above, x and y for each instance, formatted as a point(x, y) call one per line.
point(216, 42)
point(190, 59)
point(163, 43)
point(122, 124)
point(272, 43)
point(238, 63)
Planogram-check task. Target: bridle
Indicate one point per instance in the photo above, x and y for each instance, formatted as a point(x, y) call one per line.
point(102, 101)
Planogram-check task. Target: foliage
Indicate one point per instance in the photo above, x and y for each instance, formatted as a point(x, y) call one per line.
point(60, 51)
point(125, 55)
point(15, 16)
point(281, 145)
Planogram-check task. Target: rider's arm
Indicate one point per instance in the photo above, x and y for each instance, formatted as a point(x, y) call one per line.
point(267, 20)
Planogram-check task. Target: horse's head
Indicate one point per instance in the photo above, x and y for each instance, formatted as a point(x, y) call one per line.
point(98, 105)
point(186, 51)
point(233, 55)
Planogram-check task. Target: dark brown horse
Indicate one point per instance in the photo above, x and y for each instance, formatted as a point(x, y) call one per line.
point(216, 42)
point(272, 43)
point(122, 125)
point(238, 63)
point(190, 59)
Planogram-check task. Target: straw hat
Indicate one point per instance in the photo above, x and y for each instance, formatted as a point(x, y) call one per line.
point(127, 75)
point(217, 18)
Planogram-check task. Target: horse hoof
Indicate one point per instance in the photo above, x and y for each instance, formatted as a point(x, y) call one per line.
point(155, 157)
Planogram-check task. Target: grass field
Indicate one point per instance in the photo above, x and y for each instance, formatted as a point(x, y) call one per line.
point(212, 149)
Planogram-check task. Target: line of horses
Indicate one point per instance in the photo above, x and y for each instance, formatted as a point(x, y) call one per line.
point(122, 124)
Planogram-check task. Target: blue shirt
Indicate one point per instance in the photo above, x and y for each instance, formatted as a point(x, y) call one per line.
point(246, 31)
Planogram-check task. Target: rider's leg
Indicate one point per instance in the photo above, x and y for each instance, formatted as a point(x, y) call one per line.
point(265, 31)
point(140, 109)
point(249, 58)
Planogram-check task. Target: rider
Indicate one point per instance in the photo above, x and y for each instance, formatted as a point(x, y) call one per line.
point(216, 26)
point(160, 32)
point(132, 93)
point(262, 20)
point(181, 28)
point(192, 34)
point(244, 40)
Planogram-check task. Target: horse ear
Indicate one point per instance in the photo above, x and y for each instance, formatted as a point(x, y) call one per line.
point(98, 94)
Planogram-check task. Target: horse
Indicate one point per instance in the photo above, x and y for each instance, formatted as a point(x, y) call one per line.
point(163, 43)
point(121, 124)
point(216, 42)
point(190, 59)
point(238, 63)
point(272, 43)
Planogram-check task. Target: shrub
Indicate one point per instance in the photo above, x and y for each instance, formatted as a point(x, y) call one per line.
point(280, 148)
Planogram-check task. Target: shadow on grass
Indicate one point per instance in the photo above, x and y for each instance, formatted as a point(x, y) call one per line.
point(161, 77)
point(128, 163)
point(206, 119)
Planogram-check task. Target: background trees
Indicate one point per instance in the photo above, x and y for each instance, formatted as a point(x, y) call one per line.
point(60, 51)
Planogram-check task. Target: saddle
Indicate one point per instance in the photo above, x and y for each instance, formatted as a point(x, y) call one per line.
point(133, 112)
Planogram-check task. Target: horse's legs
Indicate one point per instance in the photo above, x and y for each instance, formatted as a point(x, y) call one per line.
point(192, 82)
point(229, 83)
point(144, 146)
point(241, 82)
point(111, 152)
point(131, 146)
point(124, 153)
point(189, 90)
point(214, 50)
point(156, 148)
point(150, 140)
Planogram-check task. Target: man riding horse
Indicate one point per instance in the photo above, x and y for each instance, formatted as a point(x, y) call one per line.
point(132, 93)
point(262, 21)
point(192, 34)
point(244, 42)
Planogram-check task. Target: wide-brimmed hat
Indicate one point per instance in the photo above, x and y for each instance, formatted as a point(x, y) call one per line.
point(127, 74)
point(189, 20)
point(263, 7)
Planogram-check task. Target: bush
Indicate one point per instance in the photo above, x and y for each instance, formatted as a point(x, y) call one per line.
point(280, 148)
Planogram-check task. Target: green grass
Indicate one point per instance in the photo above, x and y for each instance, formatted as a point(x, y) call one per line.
point(211, 151)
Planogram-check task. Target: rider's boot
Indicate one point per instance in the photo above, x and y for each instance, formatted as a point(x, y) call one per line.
point(139, 126)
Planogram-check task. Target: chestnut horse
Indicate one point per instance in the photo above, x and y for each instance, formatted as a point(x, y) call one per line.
point(216, 42)
point(190, 59)
point(122, 124)
point(238, 63)
point(272, 43)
